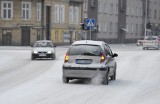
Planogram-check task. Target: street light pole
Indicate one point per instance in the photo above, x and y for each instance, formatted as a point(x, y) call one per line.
point(145, 29)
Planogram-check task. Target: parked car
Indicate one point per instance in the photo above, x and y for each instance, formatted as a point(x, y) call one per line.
point(88, 59)
point(151, 42)
point(43, 49)
point(140, 41)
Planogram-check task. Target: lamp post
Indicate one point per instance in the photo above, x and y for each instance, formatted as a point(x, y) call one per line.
point(145, 29)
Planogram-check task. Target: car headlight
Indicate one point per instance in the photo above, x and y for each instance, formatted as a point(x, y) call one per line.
point(35, 52)
point(49, 52)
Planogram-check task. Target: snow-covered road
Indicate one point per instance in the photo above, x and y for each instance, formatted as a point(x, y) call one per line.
point(23, 81)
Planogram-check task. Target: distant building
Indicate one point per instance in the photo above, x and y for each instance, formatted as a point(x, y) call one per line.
point(134, 20)
point(90, 11)
point(108, 20)
point(153, 16)
point(123, 21)
point(22, 22)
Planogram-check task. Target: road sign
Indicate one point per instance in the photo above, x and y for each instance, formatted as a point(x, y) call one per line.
point(90, 23)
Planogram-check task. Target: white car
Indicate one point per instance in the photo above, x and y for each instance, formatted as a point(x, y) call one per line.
point(43, 49)
point(151, 42)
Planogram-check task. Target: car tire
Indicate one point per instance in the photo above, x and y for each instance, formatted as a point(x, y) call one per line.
point(158, 47)
point(32, 57)
point(105, 79)
point(53, 56)
point(113, 77)
point(65, 80)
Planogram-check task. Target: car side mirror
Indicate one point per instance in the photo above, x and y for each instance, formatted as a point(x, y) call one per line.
point(115, 55)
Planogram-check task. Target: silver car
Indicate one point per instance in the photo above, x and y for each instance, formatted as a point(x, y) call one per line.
point(89, 59)
point(43, 49)
point(151, 42)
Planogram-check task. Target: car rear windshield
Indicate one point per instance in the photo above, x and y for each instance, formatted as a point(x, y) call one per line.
point(90, 50)
point(43, 44)
point(150, 38)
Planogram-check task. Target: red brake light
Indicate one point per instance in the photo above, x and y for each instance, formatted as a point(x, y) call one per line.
point(66, 58)
point(102, 58)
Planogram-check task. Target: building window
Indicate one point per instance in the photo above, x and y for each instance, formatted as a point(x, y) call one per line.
point(150, 14)
point(39, 8)
point(73, 15)
point(100, 27)
point(56, 11)
point(137, 11)
point(85, 15)
point(6, 37)
point(85, 5)
point(26, 10)
point(111, 9)
point(128, 10)
point(136, 28)
point(59, 13)
point(38, 35)
point(99, 6)
point(62, 13)
point(105, 27)
point(110, 29)
point(132, 29)
point(105, 7)
point(116, 27)
point(155, 14)
point(116, 9)
point(7, 9)
point(159, 14)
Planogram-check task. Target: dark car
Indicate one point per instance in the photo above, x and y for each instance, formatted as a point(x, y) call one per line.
point(89, 59)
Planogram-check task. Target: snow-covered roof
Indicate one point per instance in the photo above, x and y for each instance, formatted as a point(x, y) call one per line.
point(88, 42)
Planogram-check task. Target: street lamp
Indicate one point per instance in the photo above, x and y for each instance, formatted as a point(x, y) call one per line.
point(145, 29)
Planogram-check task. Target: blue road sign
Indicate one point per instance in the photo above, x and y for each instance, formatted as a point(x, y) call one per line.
point(90, 23)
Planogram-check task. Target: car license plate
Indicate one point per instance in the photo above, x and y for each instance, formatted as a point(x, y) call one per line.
point(42, 55)
point(81, 61)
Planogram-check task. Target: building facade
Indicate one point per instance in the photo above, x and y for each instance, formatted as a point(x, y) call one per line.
point(134, 20)
point(90, 11)
point(153, 16)
point(22, 22)
point(108, 20)
point(120, 21)
point(124, 21)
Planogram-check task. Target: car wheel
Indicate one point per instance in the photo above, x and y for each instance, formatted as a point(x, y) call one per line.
point(53, 56)
point(32, 57)
point(113, 77)
point(65, 79)
point(105, 79)
point(144, 48)
point(158, 47)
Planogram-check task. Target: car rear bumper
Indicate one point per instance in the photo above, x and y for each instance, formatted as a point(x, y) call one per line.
point(150, 46)
point(79, 72)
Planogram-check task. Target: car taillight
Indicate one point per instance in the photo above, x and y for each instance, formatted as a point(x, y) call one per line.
point(66, 58)
point(102, 58)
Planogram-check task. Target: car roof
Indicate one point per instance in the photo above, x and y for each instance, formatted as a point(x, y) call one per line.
point(89, 42)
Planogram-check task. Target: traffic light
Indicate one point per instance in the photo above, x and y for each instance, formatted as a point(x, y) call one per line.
point(83, 26)
point(148, 25)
